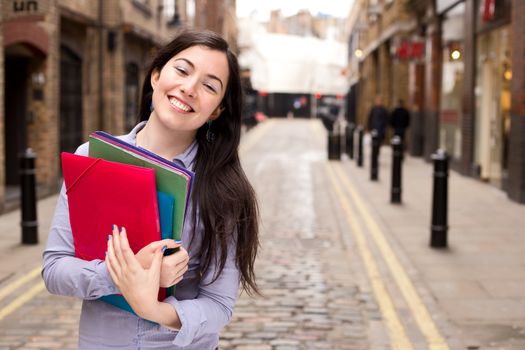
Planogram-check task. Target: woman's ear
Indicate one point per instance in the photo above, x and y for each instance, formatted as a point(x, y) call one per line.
point(217, 112)
point(154, 78)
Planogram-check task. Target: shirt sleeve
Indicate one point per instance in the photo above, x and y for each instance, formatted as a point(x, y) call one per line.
point(63, 273)
point(213, 308)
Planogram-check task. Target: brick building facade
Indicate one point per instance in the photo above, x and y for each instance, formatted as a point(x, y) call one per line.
point(460, 65)
point(69, 67)
point(377, 32)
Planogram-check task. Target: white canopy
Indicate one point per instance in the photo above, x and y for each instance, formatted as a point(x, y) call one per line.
point(295, 64)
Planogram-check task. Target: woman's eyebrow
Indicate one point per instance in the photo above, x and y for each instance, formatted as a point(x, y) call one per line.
point(208, 75)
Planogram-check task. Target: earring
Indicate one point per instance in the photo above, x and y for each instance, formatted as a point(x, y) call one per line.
point(151, 106)
point(210, 135)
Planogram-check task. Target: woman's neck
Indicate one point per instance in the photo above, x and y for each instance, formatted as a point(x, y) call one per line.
point(163, 142)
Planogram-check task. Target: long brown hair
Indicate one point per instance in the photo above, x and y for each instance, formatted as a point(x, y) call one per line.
point(226, 200)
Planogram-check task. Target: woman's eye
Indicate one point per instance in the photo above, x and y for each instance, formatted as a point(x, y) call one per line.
point(181, 70)
point(211, 87)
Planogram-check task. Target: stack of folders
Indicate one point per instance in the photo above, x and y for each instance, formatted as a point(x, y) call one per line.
point(127, 186)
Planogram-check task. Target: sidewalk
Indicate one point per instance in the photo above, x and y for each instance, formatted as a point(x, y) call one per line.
point(479, 280)
point(15, 258)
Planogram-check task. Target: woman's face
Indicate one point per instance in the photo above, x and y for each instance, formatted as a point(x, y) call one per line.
point(187, 92)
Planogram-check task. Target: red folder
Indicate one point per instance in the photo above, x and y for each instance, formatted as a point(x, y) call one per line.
point(102, 193)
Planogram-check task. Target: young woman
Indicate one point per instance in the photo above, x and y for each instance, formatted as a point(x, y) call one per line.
point(190, 113)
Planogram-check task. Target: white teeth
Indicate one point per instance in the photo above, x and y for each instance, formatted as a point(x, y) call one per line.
point(179, 104)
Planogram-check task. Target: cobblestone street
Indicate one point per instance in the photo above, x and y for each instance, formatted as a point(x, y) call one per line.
point(306, 272)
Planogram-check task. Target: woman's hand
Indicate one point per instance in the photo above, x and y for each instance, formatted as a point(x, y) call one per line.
point(173, 266)
point(139, 285)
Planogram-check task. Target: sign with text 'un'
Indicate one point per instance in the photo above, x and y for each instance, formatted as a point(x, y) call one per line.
point(12, 9)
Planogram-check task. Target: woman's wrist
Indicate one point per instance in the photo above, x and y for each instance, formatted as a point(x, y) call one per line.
point(163, 314)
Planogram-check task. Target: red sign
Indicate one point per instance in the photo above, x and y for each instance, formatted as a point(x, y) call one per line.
point(488, 10)
point(410, 50)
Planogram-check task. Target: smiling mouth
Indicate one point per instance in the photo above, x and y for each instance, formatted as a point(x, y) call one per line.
point(179, 104)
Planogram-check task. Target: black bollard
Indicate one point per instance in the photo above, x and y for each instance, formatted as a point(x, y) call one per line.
point(28, 187)
point(349, 133)
point(439, 226)
point(397, 161)
point(374, 155)
point(360, 133)
point(334, 146)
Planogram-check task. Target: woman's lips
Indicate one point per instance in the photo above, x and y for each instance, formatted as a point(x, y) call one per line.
point(179, 104)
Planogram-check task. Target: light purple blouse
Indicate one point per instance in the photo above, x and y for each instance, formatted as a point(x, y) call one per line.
point(203, 308)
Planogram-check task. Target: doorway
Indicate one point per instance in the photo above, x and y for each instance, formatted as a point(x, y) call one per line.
point(16, 85)
point(493, 105)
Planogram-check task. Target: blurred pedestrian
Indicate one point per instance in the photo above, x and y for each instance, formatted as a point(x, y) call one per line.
point(378, 119)
point(329, 116)
point(190, 113)
point(249, 109)
point(400, 120)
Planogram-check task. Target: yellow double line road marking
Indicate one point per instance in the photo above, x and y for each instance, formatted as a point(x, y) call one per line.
point(24, 297)
point(397, 333)
point(399, 339)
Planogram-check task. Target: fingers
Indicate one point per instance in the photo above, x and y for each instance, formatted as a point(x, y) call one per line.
point(112, 272)
point(123, 263)
point(112, 263)
point(156, 264)
point(117, 246)
point(182, 257)
point(174, 267)
point(176, 261)
point(126, 252)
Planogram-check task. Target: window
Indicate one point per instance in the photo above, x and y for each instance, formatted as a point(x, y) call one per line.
point(169, 8)
point(131, 95)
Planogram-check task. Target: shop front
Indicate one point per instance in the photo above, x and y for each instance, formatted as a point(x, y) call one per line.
point(492, 91)
point(451, 102)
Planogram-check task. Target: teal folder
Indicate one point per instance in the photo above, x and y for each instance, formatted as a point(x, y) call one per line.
point(118, 301)
point(166, 204)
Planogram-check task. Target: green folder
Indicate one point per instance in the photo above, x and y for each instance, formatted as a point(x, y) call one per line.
point(168, 179)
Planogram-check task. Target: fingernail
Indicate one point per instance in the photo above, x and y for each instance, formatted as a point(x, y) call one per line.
point(114, 226)
point(178, 242)
point(109, 237)
point(164, 248)
point(122, 230)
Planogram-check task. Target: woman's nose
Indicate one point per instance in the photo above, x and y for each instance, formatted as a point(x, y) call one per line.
point(188, 88)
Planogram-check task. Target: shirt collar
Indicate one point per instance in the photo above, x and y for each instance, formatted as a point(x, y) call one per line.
point(186, 158)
